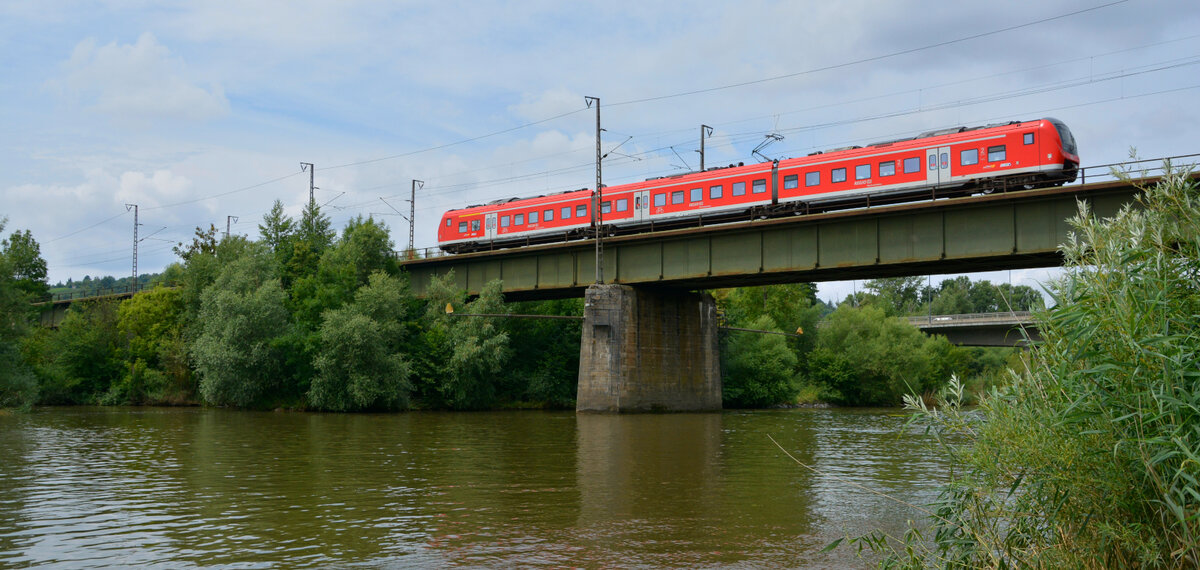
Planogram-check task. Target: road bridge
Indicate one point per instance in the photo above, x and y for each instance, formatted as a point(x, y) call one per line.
point(1014, 328)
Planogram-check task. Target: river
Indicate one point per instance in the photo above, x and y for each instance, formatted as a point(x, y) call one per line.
point(191, 487)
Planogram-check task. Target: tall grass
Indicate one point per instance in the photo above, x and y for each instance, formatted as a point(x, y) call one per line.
point(1090, 458)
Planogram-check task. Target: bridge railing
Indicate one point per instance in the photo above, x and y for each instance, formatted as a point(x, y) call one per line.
point(1135, 168)
point(92, 293)
point(972, 318)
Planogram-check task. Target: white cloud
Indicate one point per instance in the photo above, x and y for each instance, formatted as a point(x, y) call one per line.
point(162, 187)
point(138, 83)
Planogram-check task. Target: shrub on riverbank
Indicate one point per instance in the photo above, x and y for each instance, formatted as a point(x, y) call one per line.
point(1091, 458)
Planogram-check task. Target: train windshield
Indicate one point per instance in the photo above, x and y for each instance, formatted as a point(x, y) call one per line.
point(1068, 140)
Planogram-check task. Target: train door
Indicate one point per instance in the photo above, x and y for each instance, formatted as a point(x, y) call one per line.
point(641, 206)
point(489, 226)
point(937, 165)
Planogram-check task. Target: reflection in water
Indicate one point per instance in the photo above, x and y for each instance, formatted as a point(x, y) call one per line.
point(176, 488)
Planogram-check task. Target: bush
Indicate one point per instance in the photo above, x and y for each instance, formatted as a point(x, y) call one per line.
point(1091, 458)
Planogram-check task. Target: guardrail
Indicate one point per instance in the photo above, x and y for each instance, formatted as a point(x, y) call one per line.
point(972, 318)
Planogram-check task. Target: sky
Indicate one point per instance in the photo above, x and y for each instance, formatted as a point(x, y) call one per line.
point(202, 112)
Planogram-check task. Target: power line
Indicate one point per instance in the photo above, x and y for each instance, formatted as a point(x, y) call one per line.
point(866, 60)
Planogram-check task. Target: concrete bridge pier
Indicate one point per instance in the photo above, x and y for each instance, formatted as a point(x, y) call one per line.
point(647, 350)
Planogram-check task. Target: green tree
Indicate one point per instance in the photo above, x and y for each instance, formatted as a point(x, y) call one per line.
point(18, 385)
point(887, 358)
point(757, 369)
point(85, 355)
point(155, 353)
point(277, 228)
point(547, 370)
point(26, 267)
point(360, 364)
point(898, 296)
point(463, 356)
point(242, 317)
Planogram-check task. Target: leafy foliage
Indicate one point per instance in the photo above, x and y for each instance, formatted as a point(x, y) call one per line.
point(1091, 458)
point(465, 354)
point(241, 317)
point(360, 364)
point(758, 369)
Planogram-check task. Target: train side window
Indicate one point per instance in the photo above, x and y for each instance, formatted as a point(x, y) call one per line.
point(660, 200)
point(969, 157)
point(474, 225)
point(838, 175)
point(912, 165)
point(462, 227)
point(887, 168)
point(1028, 138)
point(697, 194)
point(581, 211)
point(605, 207)
point(715, 192)
point(548, 215)
point(622, 204)
point(739, 189)
point(862, 172)
point(677, 197)
point(566, 212)
point(996, 153)
point(791, 181)
point(533, 217)
point(812, 178)
point(504, 221)
point(519, 220)
point(759, 186)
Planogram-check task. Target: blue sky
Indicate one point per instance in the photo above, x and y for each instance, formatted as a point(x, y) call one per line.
point(187, 108)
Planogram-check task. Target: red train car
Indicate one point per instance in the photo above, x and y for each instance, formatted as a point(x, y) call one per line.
point(958, 161)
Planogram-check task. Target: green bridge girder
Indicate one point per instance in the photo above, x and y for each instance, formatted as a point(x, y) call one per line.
point(1013, 230)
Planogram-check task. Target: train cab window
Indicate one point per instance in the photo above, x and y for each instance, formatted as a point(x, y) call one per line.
point(548, 215)
point(677, 197)
point(759, 186)
point(447, 222)
point(605, 207)
point(697, 194)
point(739, 189)
point(622, 204)
point(996, 153)
point(812, 178)
point(581, 211)
point(969, 157)
point(504, 221)
point(533, 217)
point(519, 220)
point(1028, 138)
point(566, 212)
point(838, 175)
point(474, 225)
point(887, 168)
point(912, 165)
point(660, 200)
point(462, 227)
point(791, 181)
point(862, 172)
point(715, 192)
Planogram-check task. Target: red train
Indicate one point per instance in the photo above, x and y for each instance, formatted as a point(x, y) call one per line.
point(948, 162)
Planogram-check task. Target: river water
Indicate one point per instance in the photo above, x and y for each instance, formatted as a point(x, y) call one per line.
point(190, 487)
